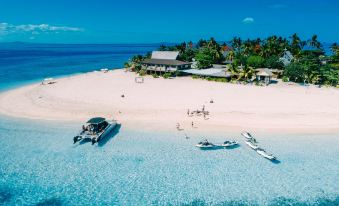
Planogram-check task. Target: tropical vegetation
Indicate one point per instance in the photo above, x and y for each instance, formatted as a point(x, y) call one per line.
point(309, 64)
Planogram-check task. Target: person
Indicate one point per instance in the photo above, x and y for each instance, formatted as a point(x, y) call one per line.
point(187, 137)
point(178, 126)
point(192, 124)
point(188, 112)
point(203, 108)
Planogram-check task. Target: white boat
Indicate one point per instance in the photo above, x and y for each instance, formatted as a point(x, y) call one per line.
point(251, 144)
point(248, 136)
point(95, 129)
point(229, 143)
point(105, 70)
point(206, 145)
point(263, 153)
point(48, 81)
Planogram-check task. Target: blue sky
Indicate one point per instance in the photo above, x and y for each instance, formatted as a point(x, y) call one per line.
point(150, 21)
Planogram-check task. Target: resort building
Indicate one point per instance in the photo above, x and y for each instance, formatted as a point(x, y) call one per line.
point(217, 70)
point(286, 58)
point(165, 61)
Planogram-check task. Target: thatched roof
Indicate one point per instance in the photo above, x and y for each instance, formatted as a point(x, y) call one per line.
point(173, 55)
point(264, 72)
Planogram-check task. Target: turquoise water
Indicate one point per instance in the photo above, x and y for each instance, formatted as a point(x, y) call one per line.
point(40, 165)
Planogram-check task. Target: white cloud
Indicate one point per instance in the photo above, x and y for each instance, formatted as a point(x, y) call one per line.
point(6, 28)
point(248, 20)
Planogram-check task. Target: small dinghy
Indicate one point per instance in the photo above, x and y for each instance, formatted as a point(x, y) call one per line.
point(206, 145)
point(251, 144)
point(229, 144)
point(263, 153)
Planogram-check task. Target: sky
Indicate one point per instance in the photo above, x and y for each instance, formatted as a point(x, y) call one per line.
point(151, 21)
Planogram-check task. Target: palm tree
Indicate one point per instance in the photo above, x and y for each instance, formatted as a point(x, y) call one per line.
point(230, 55)
point(295, 44)
point(313, 42)
point(236, 44)
point(246, 73)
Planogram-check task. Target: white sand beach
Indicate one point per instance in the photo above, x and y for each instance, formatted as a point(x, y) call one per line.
point(159, 104)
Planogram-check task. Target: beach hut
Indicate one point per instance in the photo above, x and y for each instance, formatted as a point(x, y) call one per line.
point(165, 61)
point(264, 75)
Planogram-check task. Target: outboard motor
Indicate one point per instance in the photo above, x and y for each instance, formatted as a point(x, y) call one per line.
point(93, 141)
point(75, 139)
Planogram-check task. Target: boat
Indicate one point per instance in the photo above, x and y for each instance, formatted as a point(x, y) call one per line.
point(229, 143)
point(251, 144)
point(248, 136)
point(95, 129)
point(263, 153)
point(206, 145)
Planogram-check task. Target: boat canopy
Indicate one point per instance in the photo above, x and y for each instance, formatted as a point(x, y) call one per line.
point(96, 120)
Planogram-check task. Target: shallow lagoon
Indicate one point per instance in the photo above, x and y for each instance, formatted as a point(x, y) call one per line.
point(40, 165)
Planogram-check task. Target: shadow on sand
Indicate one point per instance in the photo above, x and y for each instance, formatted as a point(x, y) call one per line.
point(109, 136)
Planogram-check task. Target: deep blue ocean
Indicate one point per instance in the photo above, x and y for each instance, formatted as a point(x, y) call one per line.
point(39, 164)
point(22, 63)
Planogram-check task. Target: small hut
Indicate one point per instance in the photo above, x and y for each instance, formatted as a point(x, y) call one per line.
point(264, 75)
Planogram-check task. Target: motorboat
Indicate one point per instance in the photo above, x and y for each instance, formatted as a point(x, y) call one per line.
point(263, 153)
point(248, 136)
point(206, 145)
point(95, 129)
point(229, 143)
point(251, 144)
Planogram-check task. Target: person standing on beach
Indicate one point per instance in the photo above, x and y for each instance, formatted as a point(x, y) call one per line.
point(178, 126)
point(188, 112)
point(192, 124)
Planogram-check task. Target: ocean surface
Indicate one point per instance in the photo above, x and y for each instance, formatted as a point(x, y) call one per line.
point(23, 63)
point(39, 164)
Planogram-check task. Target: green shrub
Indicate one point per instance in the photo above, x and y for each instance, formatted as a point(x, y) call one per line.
point(155, 76)
point(167, 75)
point(195, 76)
point(142, 72)
point(285, 79)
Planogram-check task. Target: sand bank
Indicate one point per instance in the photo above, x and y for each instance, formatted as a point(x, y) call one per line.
point(159, 104)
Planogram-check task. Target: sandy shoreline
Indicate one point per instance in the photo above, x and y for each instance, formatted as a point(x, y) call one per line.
point(159, 104)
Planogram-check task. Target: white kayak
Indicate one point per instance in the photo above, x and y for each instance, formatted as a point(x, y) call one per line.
point(248, 136)
point(251, 144)
point(229, 143)
point(263, 153)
